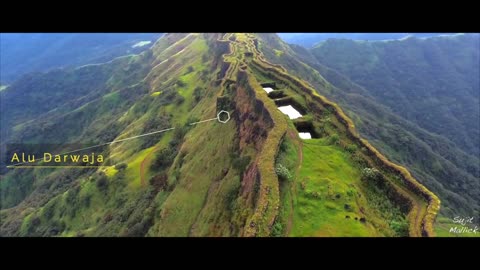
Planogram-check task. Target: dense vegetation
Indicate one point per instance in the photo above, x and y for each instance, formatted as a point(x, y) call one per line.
point(433, 83)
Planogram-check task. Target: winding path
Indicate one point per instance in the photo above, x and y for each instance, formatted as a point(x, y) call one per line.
point(293, 189)
point(145, 161)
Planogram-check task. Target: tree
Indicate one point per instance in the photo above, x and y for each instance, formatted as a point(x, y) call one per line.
point(400, 227)
point(180, 83)
point(163, 158)
point(197, 94)
point(371, 174)
point(277, 229)
point(334, 139)
point(190, 69)
point(102, 182)
point(283, 172)
point(351, 148)
point(241, 163)
point(179, 100)
point(159, 181)
point(121, 166)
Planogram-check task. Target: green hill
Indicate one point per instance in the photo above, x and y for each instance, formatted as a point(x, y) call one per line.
point(250, 176)
point(433, 83)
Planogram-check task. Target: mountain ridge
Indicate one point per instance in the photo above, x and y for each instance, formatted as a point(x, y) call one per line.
point(429, 74)
point(225, 72)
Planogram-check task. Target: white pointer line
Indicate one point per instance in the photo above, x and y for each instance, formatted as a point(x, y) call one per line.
point(130, 138)
point(194, 123)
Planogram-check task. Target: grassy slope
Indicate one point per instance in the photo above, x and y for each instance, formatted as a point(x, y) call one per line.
point(328, 172)
point(309, 206)
point(203, 164)
point(206, 150)
point(126, 152)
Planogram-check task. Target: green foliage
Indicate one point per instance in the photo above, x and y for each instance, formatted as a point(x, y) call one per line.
point(321, 197)
point(283, 172)
point(192, 119)
point(370, 174)
point(197, 94)
point(277, 229)
point(86, 200)
point(334, 139)
point(351, 148)
point(72, 195)
point(163, 159)
point(49, 210)
point(224, 103)
point(159, 181)
point(181, 83)
point(102, 182)
point(121, 166)
point(400, 227)
point(241, 163)
point(179, 100)
point(178, 135)
point(190, 69)
point(169, 95)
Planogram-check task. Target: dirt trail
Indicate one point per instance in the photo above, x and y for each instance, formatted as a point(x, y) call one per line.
point(293, 136)
point(145, 161)
point(420, 211)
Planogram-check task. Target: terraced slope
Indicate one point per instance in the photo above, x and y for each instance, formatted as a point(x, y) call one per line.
point(420, 205)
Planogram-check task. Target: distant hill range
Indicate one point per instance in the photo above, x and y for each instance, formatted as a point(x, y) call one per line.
point(21, 53)
point(310, 39)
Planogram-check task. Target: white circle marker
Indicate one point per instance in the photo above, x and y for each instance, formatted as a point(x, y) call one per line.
point(219, 118)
